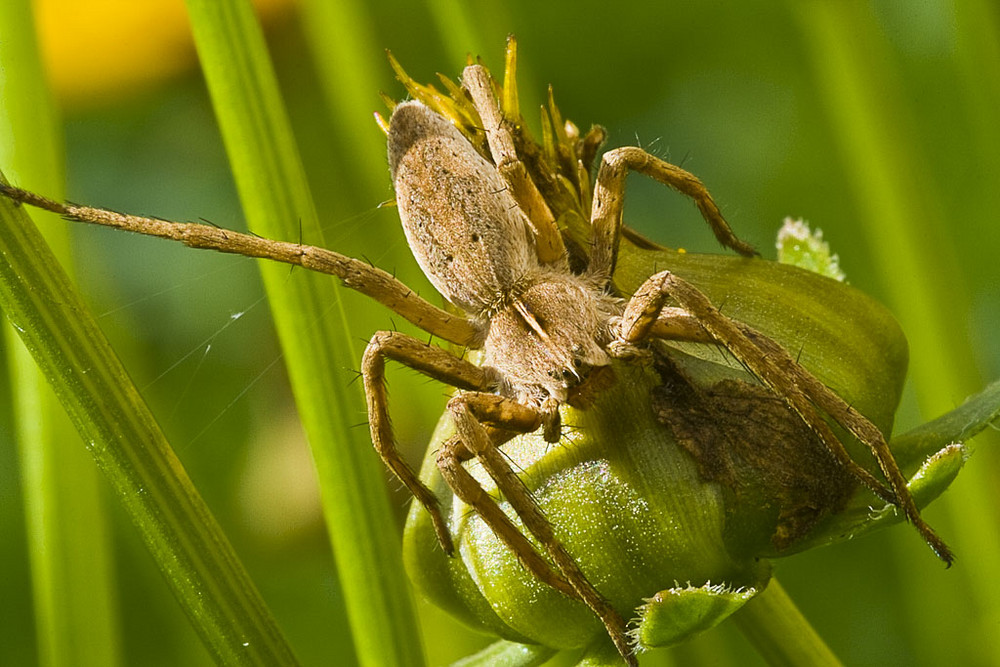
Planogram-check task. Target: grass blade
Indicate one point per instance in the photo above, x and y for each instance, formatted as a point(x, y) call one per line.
point(73, 589)
point(277, 204)
point(186, 542)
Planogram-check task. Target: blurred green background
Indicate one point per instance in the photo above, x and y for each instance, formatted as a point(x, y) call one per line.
point(874, 121)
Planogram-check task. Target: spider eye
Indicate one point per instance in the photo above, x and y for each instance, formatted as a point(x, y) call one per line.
point(577, 362)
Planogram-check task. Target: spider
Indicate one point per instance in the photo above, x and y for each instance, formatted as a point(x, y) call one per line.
point(488, 241)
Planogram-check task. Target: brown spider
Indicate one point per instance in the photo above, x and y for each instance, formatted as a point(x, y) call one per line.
point(489, 243)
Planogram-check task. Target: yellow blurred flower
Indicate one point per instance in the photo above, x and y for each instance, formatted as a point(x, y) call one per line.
point(97, 50)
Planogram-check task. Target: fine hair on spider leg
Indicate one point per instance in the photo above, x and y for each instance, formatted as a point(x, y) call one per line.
point(484, 235)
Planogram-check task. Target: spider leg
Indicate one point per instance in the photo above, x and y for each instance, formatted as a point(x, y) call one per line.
point(609, 200)
point(434, 362)
point(468, 489)
point(356, 274)
point(470, 411)
point(548, 240)
point(644, 317)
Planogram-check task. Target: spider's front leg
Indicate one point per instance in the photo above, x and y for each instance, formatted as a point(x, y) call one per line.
point(505, 417)
point(434, 362)
point(646, 317)
point(354, 273)
point(609, 201)
point(548, 239)
point(771, 363)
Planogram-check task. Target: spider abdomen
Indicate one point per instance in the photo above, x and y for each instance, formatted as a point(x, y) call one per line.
point(463, 226)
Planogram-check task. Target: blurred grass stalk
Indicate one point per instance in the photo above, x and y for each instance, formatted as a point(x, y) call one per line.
point(178, 529)
point(908, 233)
point(75, 607)
point(277, 204)
point(121, 435)
point(779, 631)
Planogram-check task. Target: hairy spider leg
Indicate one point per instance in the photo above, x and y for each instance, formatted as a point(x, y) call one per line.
point(778, 370)
point(609, 201)
point(470, 411)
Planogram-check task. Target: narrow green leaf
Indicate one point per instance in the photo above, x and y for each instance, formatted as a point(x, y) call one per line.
point(962, 423)
point(186, 542)
point(68, 546)
point(277, 204)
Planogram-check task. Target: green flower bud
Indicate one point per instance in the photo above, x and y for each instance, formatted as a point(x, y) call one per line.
point(674, 489)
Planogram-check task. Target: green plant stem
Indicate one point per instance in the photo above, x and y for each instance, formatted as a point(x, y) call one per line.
point(277, 204)
point(71, 563)
point(779, 631)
